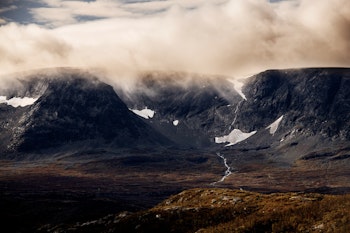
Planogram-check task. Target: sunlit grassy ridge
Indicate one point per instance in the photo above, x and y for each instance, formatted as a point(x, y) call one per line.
point(223, 210)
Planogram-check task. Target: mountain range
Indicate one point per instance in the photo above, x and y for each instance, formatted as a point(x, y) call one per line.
point(275, 109)
point(68, 136)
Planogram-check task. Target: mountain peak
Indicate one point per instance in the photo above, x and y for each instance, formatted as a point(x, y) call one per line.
point(73, 107)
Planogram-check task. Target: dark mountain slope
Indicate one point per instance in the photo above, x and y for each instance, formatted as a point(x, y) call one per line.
point(201, 105)
point(314, 100)
point(313, 106)
point(74, 107)
point(193, 111)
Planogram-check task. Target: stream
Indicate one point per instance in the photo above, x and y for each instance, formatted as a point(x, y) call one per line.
point(227, 172)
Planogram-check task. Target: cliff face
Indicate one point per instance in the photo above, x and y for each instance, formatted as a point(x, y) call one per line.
point(314, 101)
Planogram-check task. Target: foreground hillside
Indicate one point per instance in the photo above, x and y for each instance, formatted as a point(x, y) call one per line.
point(225, 210)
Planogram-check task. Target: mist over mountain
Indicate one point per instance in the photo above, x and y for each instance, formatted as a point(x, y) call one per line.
point(188, 110)
point(71, 107)
point(69, 137)
point(229, 37)
point(311, 102)
point(109, 107)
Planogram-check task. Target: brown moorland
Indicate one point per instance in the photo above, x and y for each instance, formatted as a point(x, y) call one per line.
point(225, 210)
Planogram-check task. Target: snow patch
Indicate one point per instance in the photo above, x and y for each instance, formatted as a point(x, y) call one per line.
point(145, 113)
point(176, 122)
point(2, 99)
point(238, 87)
point(234, 137)
point(17, 101)
point(274, 126)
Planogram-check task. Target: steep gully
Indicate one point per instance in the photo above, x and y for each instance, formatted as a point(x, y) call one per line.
point(228, 171)
point(236, 111)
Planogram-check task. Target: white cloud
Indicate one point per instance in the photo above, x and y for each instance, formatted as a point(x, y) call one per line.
point(155, 6)
point(3, 21)
point(30, 47)
point(62, 12)
point(238, 37)
point(54, 16)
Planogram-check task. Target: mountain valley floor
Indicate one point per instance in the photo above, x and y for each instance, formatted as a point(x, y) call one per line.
point(63, 190)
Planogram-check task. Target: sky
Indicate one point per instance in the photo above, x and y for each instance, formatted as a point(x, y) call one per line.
point(121, 38)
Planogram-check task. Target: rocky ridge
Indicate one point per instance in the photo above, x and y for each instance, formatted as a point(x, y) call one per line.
point(73, 107)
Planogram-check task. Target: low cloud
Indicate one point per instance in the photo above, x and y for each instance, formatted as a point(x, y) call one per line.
point(3, 21)
point(56, 13)
point(235, 38)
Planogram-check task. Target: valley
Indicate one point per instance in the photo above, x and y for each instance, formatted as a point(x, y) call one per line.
point(62, 192)
point(81, 152)
point(174, 116)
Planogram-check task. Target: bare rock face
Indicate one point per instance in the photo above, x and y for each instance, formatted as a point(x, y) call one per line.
point(73, 107)
point(282, 108)
point(310, 102)
point(190, 109)
point(316, 101)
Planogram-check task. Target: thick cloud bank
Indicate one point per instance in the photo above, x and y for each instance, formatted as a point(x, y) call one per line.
point(236, 38)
